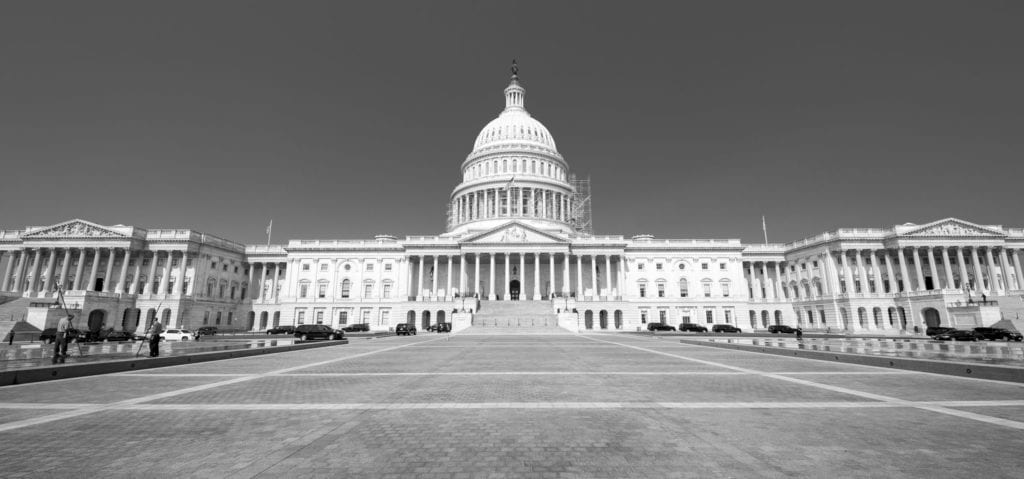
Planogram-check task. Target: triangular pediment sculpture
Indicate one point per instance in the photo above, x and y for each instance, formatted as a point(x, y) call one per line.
point(74, 229)
point(953, 227)
point(514, 233)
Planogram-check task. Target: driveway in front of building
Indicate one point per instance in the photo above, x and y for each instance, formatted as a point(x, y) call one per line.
point(434, 406)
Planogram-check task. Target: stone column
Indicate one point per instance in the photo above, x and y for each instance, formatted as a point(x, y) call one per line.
point(904, 272)
point(918, 270)
point(433, 279)
point(536, 276)
point(7, 272)
point(1004, 267)
point(862, 273)
point(79, 270)
point(165, 279)
point(551, 276)
point(777, 293)
point(508, 260)
point(947, 260)
point(876, 269)
point(274, 281)
point(51, 264)
point(252, 283)
point(963, 267)
point(936, 283)
point(63, 277)
point(993, 283)
point(109, 272)
point(122, 285)
point(91, 286)
point(133, 287)
point(893, 287)
point(579, 276)
point(462, 273)
point(833, 273)
point(1020, 271)
point(608, 273)
point(979, 278)
point(448, 279)
point(419, 278)
point(593, 275)
point(180, 286)
point(847, 273)
point(492, 295)
point(522, 275)
point(476, 274)
point(152, 273)
point(566, 277)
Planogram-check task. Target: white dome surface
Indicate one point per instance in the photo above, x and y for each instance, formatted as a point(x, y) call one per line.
point(514, 127)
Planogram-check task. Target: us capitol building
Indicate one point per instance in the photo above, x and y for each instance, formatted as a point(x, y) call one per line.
point(518, 252)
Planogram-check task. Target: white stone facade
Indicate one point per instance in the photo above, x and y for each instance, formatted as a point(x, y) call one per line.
point(510, 236)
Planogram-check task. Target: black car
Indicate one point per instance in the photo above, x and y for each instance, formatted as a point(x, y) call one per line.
point(111, 335)
point(282, 330)
point(993, 334)
point(405, 329)
point(933, 330)
point(440, 328)
point(957, 335)
point(725, 328)
point(49, 335)
point(306, 332)
point(694, 327)
point(781, 328)
point(356, 328)
point(206, 331)
point(660, 327)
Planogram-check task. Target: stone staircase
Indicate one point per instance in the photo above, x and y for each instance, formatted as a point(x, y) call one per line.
point(515, 317)
point(1012, 309)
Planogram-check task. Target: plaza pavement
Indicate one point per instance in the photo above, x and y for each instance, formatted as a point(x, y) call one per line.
point(599, 405)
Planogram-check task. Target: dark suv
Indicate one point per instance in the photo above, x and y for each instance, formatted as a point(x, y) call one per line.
point(993, 334)
point(355, 328)
point(306, 332)
point(405, 329)
point(206, 331)
point(660, 327)
point(440, 328)
point(694, 327)
point(282, 330)
point(936, 330)
point(49, 335)
point(725, 328)
point(781, 328)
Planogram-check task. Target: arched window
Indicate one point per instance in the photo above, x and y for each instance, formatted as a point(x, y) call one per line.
point(684, 288)
point(346, 288)
point(321, 288)
point(533, 167)
point(515, 165)
point(304, 288)
point(724, 284)
point(504, 166)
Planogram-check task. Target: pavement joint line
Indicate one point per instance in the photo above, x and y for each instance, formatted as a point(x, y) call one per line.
point(878, 397)
point(202, 387)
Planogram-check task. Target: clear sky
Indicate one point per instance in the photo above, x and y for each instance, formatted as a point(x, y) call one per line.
point(348, 119)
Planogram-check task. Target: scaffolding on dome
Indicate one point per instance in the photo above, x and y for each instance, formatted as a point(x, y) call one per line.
point(580, 218)
point(449, 217)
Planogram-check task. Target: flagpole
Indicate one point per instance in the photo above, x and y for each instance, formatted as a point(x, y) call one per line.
point(270, 228)
point(764, 227)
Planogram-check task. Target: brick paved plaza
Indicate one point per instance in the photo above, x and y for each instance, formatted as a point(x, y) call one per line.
point(514, 406)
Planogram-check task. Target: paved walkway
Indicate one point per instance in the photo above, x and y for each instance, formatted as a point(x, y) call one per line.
point(516, 406)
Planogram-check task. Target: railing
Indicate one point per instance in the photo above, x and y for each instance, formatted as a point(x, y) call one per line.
point(971, 303)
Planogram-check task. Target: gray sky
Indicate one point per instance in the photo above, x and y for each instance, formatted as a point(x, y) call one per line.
point(347, 119)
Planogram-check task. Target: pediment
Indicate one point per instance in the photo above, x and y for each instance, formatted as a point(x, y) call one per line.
point(955, 228)
point(514, 233)
point(74, 229)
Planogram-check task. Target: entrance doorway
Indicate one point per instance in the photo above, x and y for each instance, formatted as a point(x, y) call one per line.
point(931, 317)
point(425, 320)
point(96, 320)
point(513, 289)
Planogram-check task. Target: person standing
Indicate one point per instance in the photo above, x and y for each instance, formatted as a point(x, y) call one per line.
point(60, 342)
point(154, 338)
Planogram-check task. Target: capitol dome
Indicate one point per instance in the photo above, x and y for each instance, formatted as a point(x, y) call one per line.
point(514, 126)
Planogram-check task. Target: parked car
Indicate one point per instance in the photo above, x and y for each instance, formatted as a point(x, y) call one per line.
point(440, 328)
point(992, 334)
point(356, 328)
point(282, 330)
point(957, 335)
point(933, 330)
point(660, 327)
point(206, 331)
point(49, 335)
point(694, 327)
point(111, 335)
point(725, 328)
point(176, 335)
point(306, 332)
point(405, 329)
point(781, 328)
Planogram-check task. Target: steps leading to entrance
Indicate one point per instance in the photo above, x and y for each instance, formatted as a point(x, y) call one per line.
point(14, 308)
point(525, 317)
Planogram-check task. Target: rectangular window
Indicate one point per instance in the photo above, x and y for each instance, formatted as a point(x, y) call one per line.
point(643, 316)
point(369, 266)
point(321, 290)
point(231, 316)
point(703, 266)
point(385, 317)
point(643, 290)
point(387, 290)
point(305, 266)
point(366, 316)
point(387, 267)
point(721, 266)
point(368, 290)
point(640, 266)
point(728, 316)
point(662, 316)
point(301, 317)
point(710, 316)
point(319, 316)
point(225, 267)
point(345, 286)
point(725, 290)
point(303, 290)
point(658, 266)
point(684, 290)
point(661, 290)
point(236, 269)
point(232, 292)
point(342, 317)
point(707, 290)
point(323, 266)
point(213, 265)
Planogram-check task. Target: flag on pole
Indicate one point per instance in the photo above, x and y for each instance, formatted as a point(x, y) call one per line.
point(764, 228)
point(511, 183)
point(270, 227)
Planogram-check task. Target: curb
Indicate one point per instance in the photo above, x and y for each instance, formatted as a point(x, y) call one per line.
point(49, 373)
point(970, 370)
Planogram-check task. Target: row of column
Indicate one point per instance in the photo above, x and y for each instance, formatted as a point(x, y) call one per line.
point(32, 271)
point(270, 273)
point(525, 203)
point(840, 271)
point(467, 287)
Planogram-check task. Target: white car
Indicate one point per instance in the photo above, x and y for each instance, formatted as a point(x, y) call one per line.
point(176, 335)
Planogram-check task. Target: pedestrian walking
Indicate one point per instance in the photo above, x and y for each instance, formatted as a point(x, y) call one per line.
point(154, 338)
point(60, 342)
point(799, 334)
